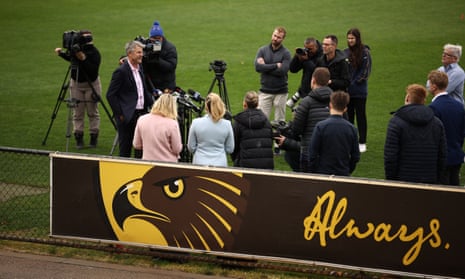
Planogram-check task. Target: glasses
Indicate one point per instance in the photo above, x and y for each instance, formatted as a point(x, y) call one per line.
point(447, 54)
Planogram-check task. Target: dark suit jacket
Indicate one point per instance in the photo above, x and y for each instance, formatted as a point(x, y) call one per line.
point(122, 93)
point(452, 116)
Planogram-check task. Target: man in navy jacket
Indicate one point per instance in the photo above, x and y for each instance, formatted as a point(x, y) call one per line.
point(452, 114)
point(128, 97)
point(415, 147)
point(334, 145)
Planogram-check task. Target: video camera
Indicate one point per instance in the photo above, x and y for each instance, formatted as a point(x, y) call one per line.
point(150, 47)
point(218, 66)
point(74, 40)
point(301, 51)
point(281, 128)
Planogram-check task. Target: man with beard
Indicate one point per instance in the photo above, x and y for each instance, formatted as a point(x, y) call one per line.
point(272, 62)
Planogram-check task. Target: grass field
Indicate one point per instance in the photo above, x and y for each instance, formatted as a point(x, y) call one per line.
point(406, 38)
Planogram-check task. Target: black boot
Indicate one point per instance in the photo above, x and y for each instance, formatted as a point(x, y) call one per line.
point(79, 140)
point(93, 140)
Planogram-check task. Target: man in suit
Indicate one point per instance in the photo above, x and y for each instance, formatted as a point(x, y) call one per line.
point(452, 114)
point(128, 97)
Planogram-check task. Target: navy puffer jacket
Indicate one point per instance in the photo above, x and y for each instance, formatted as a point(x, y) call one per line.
point(415, 148)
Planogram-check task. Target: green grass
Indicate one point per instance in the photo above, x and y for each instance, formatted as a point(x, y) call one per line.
point(406, 38)
point(15, 215)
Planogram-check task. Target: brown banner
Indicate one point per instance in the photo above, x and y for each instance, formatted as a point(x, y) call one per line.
point(371, 224)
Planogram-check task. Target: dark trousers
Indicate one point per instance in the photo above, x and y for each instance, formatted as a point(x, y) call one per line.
point(293, 159)
point(451, 175)
point(126, 136)
point(356, 110)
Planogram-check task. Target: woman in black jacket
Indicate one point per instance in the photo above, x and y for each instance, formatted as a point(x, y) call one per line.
point(253, 137)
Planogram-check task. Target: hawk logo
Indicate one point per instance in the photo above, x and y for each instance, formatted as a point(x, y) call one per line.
point(174, 207)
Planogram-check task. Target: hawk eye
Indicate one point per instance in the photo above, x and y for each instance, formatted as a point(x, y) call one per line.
point(174, 188)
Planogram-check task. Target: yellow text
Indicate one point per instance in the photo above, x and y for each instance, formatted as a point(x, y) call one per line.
point(326, 216)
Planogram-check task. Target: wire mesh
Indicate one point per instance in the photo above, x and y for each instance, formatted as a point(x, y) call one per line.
point(24, 193)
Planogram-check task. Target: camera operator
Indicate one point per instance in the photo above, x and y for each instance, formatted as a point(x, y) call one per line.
point(284, 138)
point(160, 60)
point(85, 86)
point(304, 59)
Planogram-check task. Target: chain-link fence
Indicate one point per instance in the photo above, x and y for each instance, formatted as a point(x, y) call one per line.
point(24, 193)
point(25, 216)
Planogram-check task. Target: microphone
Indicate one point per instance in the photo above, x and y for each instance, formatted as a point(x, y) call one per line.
point(156, 93)
point(195, 95)
point(180, 90)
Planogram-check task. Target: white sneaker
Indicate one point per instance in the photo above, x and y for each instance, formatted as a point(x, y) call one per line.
point(362, 147)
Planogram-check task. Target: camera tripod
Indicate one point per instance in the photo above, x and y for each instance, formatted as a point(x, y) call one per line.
point(219, 78)
point(72, 103)
point(185, 115)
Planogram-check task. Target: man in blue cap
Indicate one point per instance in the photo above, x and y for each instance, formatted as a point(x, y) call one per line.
point(160, 61)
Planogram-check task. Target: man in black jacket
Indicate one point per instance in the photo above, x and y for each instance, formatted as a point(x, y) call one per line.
point(312, 109)
point(160, 61)
point(304, 59)
point(415, 149)
point(85, 86)
point(335, 60)
point(253, 140)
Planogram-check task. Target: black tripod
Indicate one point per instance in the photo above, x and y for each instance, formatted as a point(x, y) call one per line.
point(185, 120)
point(219, 78)
point(72, 103)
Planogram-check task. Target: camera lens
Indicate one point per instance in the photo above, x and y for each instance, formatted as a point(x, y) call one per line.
point(300, 51)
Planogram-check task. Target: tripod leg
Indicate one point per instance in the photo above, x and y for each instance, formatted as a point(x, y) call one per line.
point(115, 143)
point(224, 93)
point(221, 90)
point(70, 123)
point(212, 85)
point(61, 97)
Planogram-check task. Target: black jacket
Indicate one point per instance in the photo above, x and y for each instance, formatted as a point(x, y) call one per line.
point(160, 67)
point(415, 147)
point(87, 70)
point(307, 67)
point(253, 140)
point(311, 110)
point(339, 70)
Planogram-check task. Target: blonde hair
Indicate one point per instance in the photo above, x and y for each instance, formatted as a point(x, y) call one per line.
point(251, 99)
point(438, 78)
point(166, 106)
point(215, 106)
